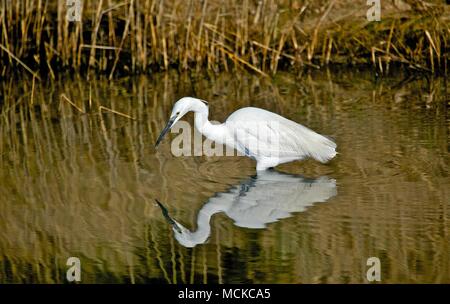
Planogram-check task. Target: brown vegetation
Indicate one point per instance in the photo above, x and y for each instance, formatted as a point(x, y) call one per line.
point(139, 36)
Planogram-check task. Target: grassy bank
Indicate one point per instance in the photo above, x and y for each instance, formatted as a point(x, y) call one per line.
point(141, 36)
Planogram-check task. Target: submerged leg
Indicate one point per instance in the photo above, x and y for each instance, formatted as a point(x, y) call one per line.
point(266, 163)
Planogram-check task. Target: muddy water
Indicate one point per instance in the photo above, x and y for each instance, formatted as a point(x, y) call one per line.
point(80, 181)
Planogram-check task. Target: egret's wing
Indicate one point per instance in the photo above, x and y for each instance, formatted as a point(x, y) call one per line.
point(266, 134)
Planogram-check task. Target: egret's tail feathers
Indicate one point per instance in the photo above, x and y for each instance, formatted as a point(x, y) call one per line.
point(314, 145)
point(322, 148)
point(327, 151)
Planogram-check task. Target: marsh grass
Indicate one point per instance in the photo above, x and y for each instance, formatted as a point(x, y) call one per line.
point(140, 36)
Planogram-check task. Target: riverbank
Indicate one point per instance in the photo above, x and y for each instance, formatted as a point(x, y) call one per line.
point(121, 38)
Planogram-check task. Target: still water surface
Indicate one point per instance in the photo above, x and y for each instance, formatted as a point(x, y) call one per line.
point(82, 182)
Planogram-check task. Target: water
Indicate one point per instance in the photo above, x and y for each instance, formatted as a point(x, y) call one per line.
point(83, 184)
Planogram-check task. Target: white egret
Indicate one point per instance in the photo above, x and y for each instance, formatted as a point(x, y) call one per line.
point(268, 138)
point(255, 202)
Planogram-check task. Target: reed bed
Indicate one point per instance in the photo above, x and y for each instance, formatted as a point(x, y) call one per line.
point(142, 36)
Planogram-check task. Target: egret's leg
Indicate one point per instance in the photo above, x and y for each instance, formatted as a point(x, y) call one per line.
point(265, 163)
point(260, 166)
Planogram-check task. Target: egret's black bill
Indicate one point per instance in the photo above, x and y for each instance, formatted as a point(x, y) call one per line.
point(165, 130)
point(167, 216)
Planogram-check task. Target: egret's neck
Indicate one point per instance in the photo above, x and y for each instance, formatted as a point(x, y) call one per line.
point(204, 126)
point(201, 234)
point(201, 120)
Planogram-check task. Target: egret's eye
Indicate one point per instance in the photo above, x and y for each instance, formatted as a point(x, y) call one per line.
point(178, 113)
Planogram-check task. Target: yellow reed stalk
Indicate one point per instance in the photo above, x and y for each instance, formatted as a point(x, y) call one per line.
point(19, 61)
point(100, 108)
point(63, 96)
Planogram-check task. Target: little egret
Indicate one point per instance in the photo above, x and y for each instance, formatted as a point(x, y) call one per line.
point(268, 138)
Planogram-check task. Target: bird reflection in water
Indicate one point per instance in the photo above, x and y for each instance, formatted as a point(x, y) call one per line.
point(262, 199)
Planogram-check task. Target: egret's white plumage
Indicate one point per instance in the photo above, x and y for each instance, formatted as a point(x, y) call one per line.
point(267, 137)
point(256, 202)
point(291, 141)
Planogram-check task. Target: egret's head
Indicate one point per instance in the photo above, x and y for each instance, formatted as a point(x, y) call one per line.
point(180, 108)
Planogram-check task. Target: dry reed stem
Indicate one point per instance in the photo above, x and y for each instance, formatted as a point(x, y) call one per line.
point(125, 32)
point(143, 36)
point(100, 108)
point(234, 56)
point(19, 61)
point(72, 103)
